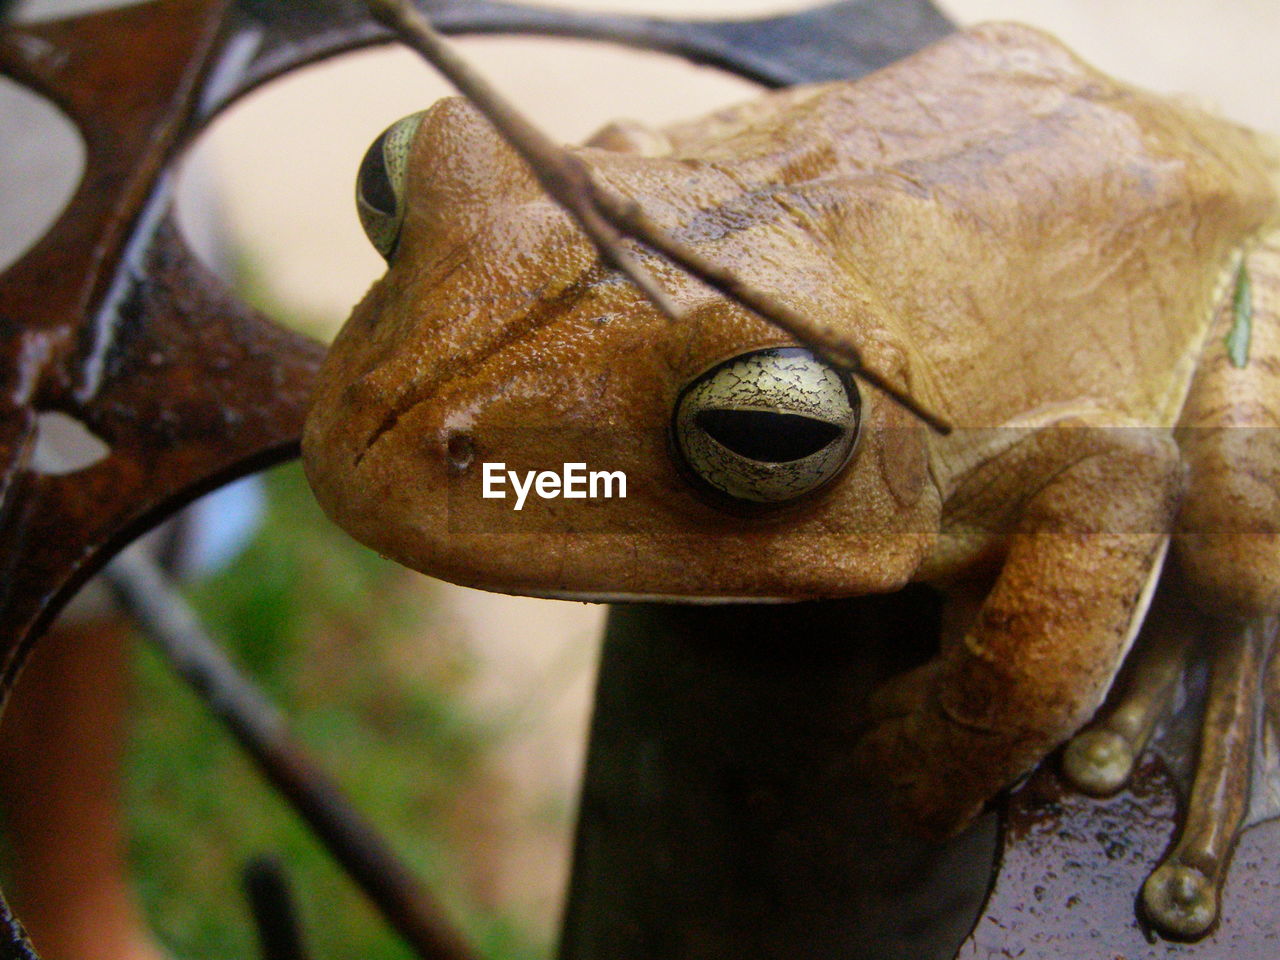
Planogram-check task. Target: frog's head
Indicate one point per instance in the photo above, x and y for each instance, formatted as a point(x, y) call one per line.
point(752, 470)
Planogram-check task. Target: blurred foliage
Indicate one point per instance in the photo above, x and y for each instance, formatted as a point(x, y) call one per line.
point(344, 641)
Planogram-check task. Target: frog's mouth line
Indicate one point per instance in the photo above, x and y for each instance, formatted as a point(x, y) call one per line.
point(389, 422)
point(542, 308)
point(691, 600)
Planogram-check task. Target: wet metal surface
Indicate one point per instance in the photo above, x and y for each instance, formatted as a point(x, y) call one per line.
point(1072, 866)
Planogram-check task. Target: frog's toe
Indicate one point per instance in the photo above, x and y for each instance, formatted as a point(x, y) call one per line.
point(904, 694)
point(1180, 900)
point(924, 799)
point(1098, 761)
point(1181, 896)
point(931, 785)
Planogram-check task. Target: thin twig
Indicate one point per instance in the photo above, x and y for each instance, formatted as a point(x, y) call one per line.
point(608, 219)
point(166, 619)
point(829, 345)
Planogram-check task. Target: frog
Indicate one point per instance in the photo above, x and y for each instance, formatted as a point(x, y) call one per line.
point(1081, 277)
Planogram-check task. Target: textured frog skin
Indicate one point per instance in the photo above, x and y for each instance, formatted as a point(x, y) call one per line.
point(1045, 255)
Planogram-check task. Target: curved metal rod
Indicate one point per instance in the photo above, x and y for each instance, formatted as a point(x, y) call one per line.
point(836, 41)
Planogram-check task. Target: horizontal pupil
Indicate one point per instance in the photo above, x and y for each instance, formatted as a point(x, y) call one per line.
point(375, 186)
point(766, 435)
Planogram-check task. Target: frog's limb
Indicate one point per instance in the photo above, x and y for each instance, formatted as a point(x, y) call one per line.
point(1049, 637)
point(1100, 759)
point(1181, 896)
point(1228, 542)
point(1228, 549)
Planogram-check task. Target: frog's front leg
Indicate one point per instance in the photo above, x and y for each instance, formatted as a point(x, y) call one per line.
point(1086, 547)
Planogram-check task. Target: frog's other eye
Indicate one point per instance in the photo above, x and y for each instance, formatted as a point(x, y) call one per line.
point(768, 426)
point(380, 184)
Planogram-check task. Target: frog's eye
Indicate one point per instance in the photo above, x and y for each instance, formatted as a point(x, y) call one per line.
point(767, 426)
point(380, 183)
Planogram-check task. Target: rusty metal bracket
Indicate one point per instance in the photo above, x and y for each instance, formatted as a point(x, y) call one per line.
point(110, 319)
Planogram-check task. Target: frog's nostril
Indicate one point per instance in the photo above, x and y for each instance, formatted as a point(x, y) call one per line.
point(460, 451)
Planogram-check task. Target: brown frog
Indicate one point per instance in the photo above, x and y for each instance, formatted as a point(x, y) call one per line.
point(1081, 276)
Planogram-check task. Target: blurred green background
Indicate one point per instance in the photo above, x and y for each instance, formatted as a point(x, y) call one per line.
point(336, 636)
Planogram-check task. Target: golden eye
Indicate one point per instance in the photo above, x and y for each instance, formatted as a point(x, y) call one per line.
point(380, 184)
point(768, 426)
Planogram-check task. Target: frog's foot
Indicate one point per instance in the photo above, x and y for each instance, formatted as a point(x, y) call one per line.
point(1181, 896)
point(913, 751)
point(1100, 759)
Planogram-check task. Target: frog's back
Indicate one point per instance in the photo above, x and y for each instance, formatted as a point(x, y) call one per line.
point(1019, 215)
